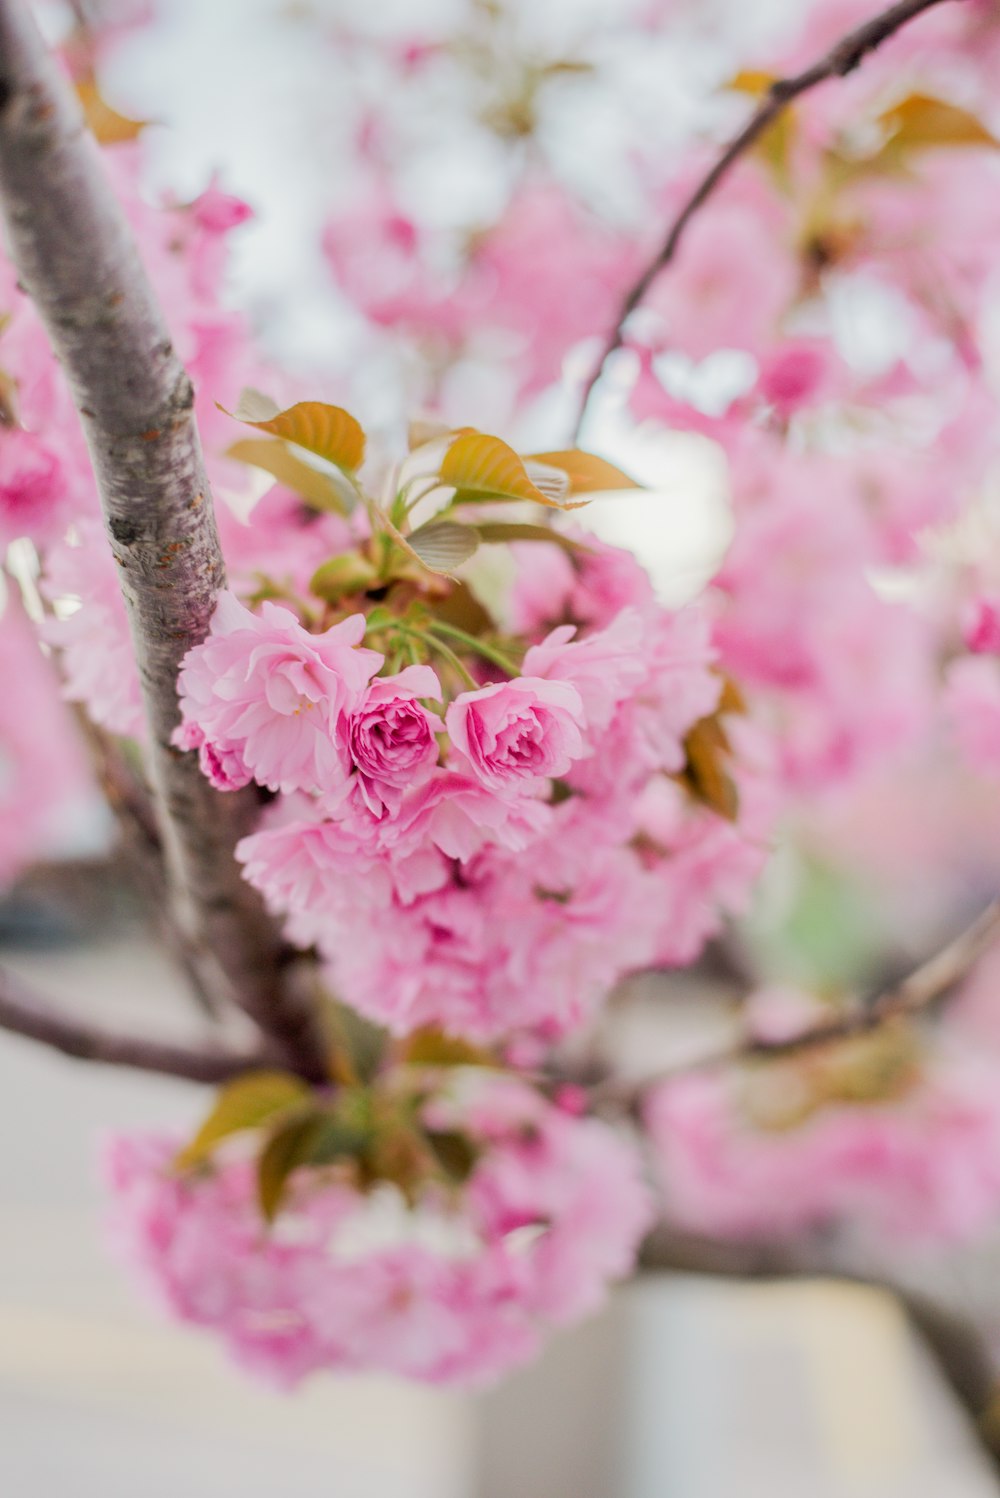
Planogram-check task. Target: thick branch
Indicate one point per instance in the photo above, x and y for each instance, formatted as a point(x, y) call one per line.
point(77, 261)
point(842, 59)
point(930, 981)
point(23, 1013)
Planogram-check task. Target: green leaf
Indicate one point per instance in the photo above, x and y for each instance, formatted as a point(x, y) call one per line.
point(290, 1146)
point(463, 609)
point(442, 545)
point(342, 575)
point(328, 431)
point(273, 456)
point(316, 1136)
point(498, 532)
point(455, 1153)
point(362, 1041)
point(248, 1102)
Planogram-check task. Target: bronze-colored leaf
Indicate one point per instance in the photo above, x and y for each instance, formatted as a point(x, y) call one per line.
point(706, 773)
point(921, 122)
point(879, 1066)
point(479, 467)
point(430, 1047)
point(587, 474)
point(108, 126)
point(328, 431)
point(774, 146)
point(274, 457)
point(248, 1102)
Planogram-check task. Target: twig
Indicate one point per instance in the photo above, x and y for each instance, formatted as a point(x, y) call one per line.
point(930, 981)
point(76, 258)
point(842, 59)
point(22, 1012)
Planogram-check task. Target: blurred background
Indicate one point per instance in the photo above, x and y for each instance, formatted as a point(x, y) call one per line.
point(763, 1371)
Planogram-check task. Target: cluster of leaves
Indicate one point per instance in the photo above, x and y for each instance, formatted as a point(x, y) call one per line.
point(892, 147)
point(403, 575)
point(365, 1128)
point(878, 1066)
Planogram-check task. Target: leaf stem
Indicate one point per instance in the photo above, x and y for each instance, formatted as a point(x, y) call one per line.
point(445, 652)
point(488, 652)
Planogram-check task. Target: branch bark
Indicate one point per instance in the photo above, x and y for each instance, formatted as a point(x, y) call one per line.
point(844, 58)
point(77, 261)
point(927, 983)
point(22, 1012)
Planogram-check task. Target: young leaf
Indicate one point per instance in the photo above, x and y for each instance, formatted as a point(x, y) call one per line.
point(342, 575)
point(254, 405)
point(430, 1047)
point(462, 608)
point(273, 457)
point(290, 1146)
point(108, 126)
point(587, 474)
point(707, 750)
point(245, 1103)
point(481, 467)
point(921, 122)
point(774, 147)
point(455, 1153)
point(501, 531)
point(327, 431)
point(442, 545)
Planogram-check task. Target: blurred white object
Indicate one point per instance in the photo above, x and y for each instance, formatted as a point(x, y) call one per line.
point(776, 1390)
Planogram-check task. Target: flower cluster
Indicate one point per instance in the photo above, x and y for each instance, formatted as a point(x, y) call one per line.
point(488, 793)
point(493, 858)
point(457, 1288)
point(921, 1167)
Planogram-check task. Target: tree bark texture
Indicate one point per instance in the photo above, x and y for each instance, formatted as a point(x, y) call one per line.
point(77, 261)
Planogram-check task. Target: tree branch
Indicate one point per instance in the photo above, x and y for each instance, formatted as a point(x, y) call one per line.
point(928, 982)
point(842, 59)
point(77, 260)
point(23, 1013)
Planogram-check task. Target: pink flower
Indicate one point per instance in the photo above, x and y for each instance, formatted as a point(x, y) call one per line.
point(43, 773)
point(223, 765)
point(972, 702)
point(263, 687)
point(981, 626)
point(460, 816)
point(32, 487)
point(391, 736)
point(217, 212)
point(96, 656)
point(455, 1289)
point(512, 734)
point(925, 1167)
point(605, 667)
point(591, 590)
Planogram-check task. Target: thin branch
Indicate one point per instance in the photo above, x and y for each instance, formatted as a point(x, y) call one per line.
point(76, 258)
point(921, 988)
point(842, 59)
point(22, 1012)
